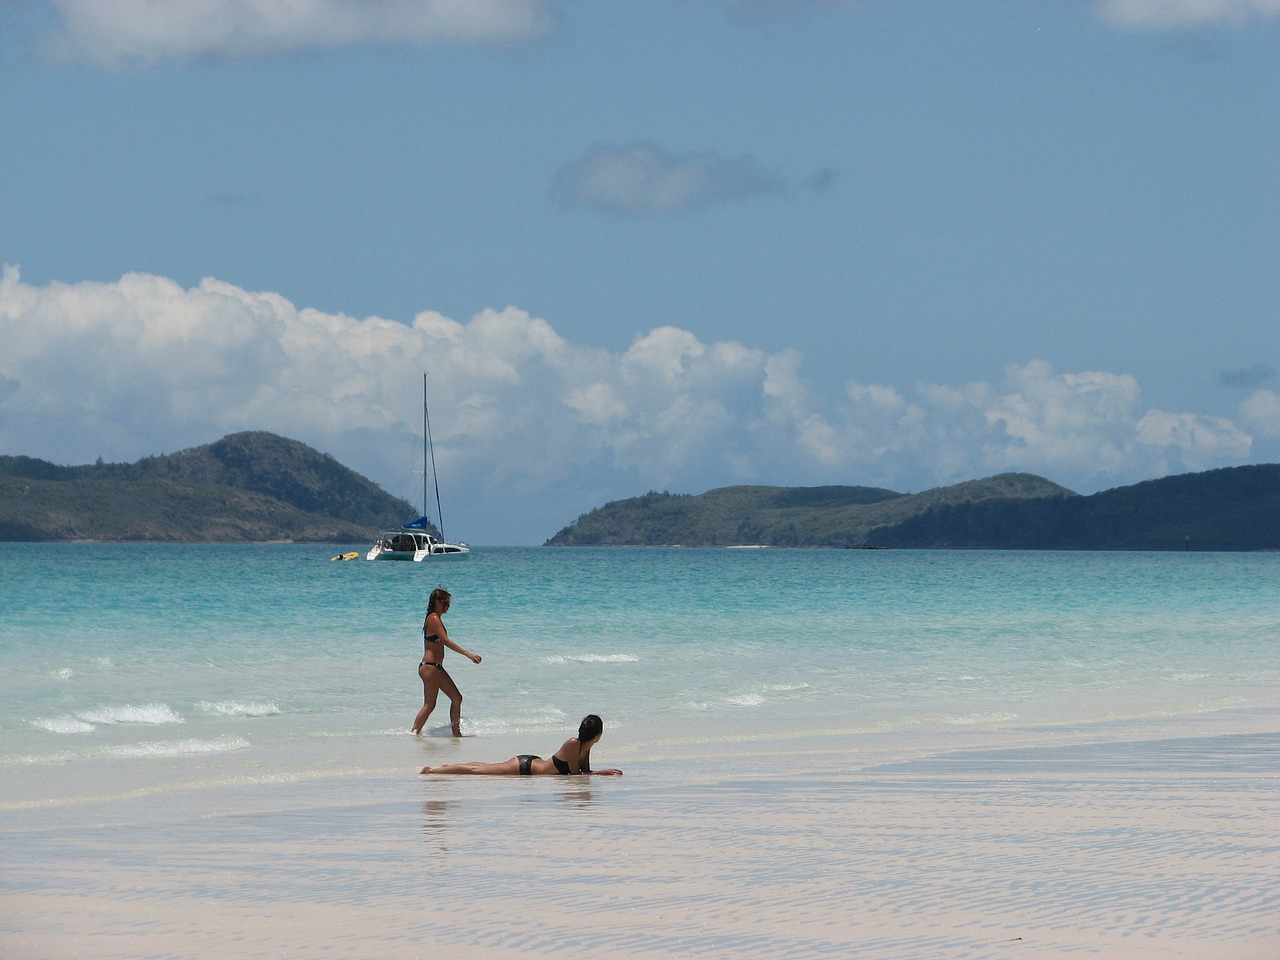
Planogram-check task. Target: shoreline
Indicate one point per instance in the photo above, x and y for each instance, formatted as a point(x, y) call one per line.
point(804, 749)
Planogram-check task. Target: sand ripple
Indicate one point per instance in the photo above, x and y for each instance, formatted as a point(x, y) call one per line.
point(1154, 849)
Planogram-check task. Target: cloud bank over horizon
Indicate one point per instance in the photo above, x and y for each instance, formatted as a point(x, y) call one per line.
point(520, 415)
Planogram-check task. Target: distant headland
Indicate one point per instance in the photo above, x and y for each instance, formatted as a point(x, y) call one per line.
point(1236, 508)
point(245, 488)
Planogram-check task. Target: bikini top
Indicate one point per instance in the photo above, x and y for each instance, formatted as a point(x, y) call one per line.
point(430, 639)
point(561, 765)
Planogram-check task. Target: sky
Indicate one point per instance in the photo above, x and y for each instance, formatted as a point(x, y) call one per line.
point(666, 245)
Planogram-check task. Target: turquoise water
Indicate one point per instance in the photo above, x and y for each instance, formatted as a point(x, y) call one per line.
point(145, 666)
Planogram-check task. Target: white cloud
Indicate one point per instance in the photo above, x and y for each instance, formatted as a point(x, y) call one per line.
point(643, 179)
point(1176, 14)
point(532, 430)
point(108, 33)
point(1261, 413)
point(111, 32)
point(1080, 429)
point(1190, 441)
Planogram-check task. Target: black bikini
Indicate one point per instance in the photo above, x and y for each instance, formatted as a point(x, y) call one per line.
point(526, 764)
point(425, 662)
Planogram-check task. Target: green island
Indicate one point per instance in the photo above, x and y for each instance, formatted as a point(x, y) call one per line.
point(260, 487)
point(1236, 508)
point(246, 487)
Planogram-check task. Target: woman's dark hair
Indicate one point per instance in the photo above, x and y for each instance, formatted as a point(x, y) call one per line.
point(590, 728)
point(438, 594)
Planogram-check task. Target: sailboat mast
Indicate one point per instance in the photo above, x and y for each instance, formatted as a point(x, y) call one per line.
point(429, 450)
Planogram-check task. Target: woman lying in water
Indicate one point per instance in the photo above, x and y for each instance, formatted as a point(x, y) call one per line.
point(572, 758)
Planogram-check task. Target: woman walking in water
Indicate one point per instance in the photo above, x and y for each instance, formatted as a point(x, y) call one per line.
point(573, 757)
point(431, 669)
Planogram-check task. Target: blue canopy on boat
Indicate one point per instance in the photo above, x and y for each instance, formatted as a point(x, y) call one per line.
point(420, 524)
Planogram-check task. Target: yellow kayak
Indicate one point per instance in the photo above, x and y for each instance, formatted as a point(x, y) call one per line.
point(346, 556)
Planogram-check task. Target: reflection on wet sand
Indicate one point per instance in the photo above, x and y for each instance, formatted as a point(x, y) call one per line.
point(434, 821)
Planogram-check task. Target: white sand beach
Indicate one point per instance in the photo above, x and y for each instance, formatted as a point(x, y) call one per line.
point(1124, 846)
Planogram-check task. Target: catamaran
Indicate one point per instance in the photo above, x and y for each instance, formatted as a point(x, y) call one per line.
point(412, 541)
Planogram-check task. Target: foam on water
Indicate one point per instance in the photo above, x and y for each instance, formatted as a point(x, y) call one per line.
point(143, 750)
point(63, 725)
point(147, 713)
point(177, 748)
point(977, 719)
point(232, 708)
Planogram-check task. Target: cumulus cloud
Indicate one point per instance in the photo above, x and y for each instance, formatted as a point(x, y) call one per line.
point(1179, 14)
point(530, 429)
point(1084, 430)
point(643, 179)
point(146, 31)
point(1261, 413)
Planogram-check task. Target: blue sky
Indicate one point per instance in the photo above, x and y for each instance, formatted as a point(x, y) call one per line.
point(645, 246)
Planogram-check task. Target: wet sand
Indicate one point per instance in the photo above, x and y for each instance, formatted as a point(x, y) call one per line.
point(1152, 847)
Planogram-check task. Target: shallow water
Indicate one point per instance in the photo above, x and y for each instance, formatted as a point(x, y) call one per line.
point(162, 664)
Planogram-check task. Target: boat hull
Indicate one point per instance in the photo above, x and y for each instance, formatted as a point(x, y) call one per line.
point(415, 548)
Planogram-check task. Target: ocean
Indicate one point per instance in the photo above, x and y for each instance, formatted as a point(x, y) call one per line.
point(164, 685)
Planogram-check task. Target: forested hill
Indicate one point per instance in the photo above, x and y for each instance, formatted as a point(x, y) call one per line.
point(245, 487)
point(1237, 508)
point(780, 516)
point(1231, 509)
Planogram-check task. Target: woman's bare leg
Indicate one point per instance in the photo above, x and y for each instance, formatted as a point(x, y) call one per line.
point(455, 703)
point(506, 768)
point(431, 677)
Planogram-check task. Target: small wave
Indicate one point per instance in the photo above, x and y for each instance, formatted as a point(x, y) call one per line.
point(534, 722)
point(63, 725)
point(160, 749)
point(176, 748)
point(145, 713)
point(63, 673)
point(594, 658)
point(235, 708)
point(745, 700)
point(980, 718)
